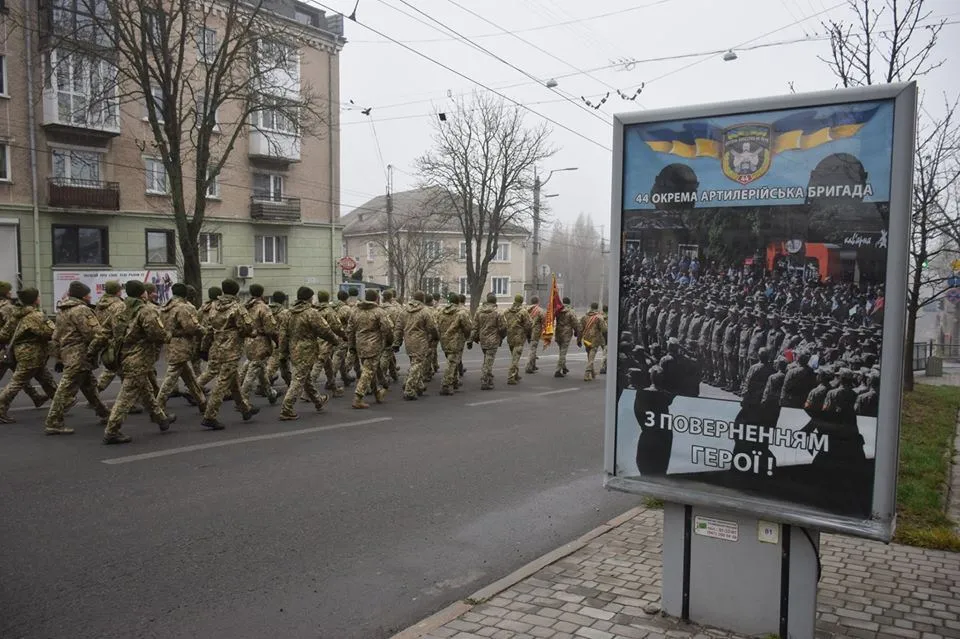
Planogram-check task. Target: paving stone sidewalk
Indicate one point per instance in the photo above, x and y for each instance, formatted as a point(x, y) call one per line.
point(610, 589)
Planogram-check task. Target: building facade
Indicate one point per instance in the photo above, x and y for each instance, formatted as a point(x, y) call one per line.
point(82, 197)
point(430, 249)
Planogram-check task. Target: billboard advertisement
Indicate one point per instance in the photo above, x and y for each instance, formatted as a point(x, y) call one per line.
point(164, 280)
point(760, 315)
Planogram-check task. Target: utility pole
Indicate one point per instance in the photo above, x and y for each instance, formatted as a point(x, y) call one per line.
point(536, 233)
point(390, 225)
point(603, 266)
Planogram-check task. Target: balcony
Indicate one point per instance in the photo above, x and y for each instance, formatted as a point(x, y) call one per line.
point(274, 146)
point(67, 113)
point(275, 208)
point(87, 194)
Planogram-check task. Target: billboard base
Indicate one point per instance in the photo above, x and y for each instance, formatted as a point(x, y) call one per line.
point(739, 573)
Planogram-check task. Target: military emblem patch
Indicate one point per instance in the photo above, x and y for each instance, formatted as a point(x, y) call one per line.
point(746, 152)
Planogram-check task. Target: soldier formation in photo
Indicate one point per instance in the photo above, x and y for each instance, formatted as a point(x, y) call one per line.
point(226, 348)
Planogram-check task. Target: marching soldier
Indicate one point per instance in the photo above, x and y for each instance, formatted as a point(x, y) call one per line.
point(489, 330)
point(280, 360)
point(567, 327)
point(518, 325)
point(603, 349)
point(7, 310)
point(388, 362)
point(140, 341)
point(368, 330)
point(418, 329)
point(455, 327)
point(327, 347)
point(29, 333)
point(259, 345)
point(301, 338)
point(79, 338)
point(432, 364)
point(203, 316)
point(593, 329)
point(537, 317)
point(180, 320)
point(342, 362)
point(108, 307)
point(230, 324)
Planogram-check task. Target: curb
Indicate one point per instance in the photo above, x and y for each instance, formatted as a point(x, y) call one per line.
point(458, 608)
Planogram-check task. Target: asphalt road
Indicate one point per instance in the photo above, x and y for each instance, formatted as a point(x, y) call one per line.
point(344, 525)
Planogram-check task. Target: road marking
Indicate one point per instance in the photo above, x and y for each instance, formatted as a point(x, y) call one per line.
point(507, 399)
point(491, 401)
point(240, 440)
point(554, 392)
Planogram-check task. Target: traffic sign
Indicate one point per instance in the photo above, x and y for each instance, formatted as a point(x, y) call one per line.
point(953, 281)
point(953, 295)
point(347, 263)
point(955, 265)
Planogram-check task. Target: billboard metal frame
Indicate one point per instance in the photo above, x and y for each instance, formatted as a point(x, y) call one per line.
point(880, 525)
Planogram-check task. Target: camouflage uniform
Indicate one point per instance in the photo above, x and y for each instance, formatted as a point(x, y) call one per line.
point(29, 333)
point(301, 339)
point(368, 329)
point(259, 349)
point(229, 325)
point(180, 320)
point(489, 330)
point(342, 362)
point(432, 362)
point(454, 326)
point(417, 327)
point(7, 311)
point(567, 327)
point(388, 361)
point(108, 307)
point(593, 329)
point(518, 324)
point(79, 338)
point(280, 360)
point(143, 339)
point(327, 349)
point(212, 369)
point(537, 316)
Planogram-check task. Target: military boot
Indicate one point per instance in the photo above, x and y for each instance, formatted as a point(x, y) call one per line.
point(291, 417)
point(446, 390)
point(164, 423)
point(6, 419)
point(62, 430)
point(248, 415)
point(212, 424)
point(358, 402)
point(117, 438)
point(380, 395)
point(558, 374)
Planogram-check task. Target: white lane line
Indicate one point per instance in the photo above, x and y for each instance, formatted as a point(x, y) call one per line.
point(491, 401)
point(507, 399)
point(554, 392)
point(240, 440)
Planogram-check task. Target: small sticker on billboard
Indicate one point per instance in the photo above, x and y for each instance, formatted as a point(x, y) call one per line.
point(716, 528)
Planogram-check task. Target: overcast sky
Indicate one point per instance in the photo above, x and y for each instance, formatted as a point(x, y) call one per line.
point(404, 89)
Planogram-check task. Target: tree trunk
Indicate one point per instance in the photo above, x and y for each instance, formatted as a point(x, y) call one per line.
point(191, 263)
point(476, 294)
point(908, 349)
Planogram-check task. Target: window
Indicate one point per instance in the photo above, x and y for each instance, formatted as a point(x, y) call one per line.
point(268, 186)
point(80, 245)
point(206, 44)
point(432, 285)
point(209, 245)
point(279, 56)
point(156, 96)
point(3, 75)
point(463, 251)
point(503, 252)
point(500, 285)
point(204, 109)
point(153, 24)
point(156, 176)
point(371, 251)
point(77, 168)
point(160, 249)
point(4, 163)
point(213, 184)
point(82, 20)
point(464, 289)
point(306, 17)
point(86, 90)
point(276, 120)
point(432, 249)
point(270, 249)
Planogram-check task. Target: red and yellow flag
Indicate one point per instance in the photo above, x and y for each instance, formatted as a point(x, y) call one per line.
point(554, 306)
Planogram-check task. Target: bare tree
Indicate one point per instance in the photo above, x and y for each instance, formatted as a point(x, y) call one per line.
point(575, 252)
point(204, 73)
point(416, 251)
point(484, 157)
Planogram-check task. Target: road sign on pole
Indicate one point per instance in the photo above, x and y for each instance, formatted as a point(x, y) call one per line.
point(953, 295)
point(347, 264)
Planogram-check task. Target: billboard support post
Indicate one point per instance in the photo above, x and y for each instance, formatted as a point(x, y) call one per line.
point(755, 385)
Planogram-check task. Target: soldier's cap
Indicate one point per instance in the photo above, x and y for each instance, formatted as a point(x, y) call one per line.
point(5, 288)
point(256, 290)
point(76, 289)
point(28, 296)
point(179, 289)
point(304, 294)
point(134, 288)
point(112, 287)
point(453, 298)
point(323, 296)
point(353, 291)
point(278, 297)
point(214, 292)
point(150, 287)
point(518, 299)
point(372, 295)
point(230, 287)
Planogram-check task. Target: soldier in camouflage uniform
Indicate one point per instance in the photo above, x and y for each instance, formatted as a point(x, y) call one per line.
point(602, 351)
point(537, 316)
point(306, 329)
point(432, 364)
point(417, 327)
point(518, 324)
point(388, 361)
point(152, 300)
point(140, 348)
point(108, 306)
point(78, 338)
point(260, 345)
point(179, 318)
point(593, 330)
point(368, 330)
point(280, 360)
point(342, 363)
point(454, 326)
point(29, 333)
point(230, 324)
point(489, 329)
point(353, 362)
point(7, 310)
point(203, 315)
point(566, 329)
point(327, 347)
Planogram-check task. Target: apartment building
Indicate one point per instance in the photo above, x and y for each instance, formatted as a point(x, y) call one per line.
point(82, 197)
point(428, 238)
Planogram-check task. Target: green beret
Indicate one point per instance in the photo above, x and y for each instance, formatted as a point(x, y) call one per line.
point(113, 287)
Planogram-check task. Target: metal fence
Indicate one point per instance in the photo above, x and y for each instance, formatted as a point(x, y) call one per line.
point(923, 351)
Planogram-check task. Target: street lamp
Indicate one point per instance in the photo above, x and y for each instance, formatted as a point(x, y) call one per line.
point(537, 185)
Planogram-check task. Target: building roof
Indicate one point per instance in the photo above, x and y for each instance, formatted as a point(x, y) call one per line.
point(429, 208)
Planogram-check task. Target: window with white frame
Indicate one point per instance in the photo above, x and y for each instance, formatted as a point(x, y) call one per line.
point(464, 288)
point(371, 251)
point(462, 255)
point(4, 163)
point(213, 184)
point(86, 89)
point(156, 97)
point(275, 120)
point(432, 249)
point(270, 249)
point(3, 75)
point(85, 20)
point(278, 56)
point(76, 168)
point(268, 186)
point(204, 109)
point(160, 246)
point(306, 17)
point(156, 174)
point(503, 252)
point(431, 285)
point(209, 248)
point(206, 44)
point(500, 286)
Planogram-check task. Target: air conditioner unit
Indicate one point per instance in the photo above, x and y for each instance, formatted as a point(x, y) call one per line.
point(244, 272)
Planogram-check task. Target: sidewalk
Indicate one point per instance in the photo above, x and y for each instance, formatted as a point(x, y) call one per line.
point(607, 586)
